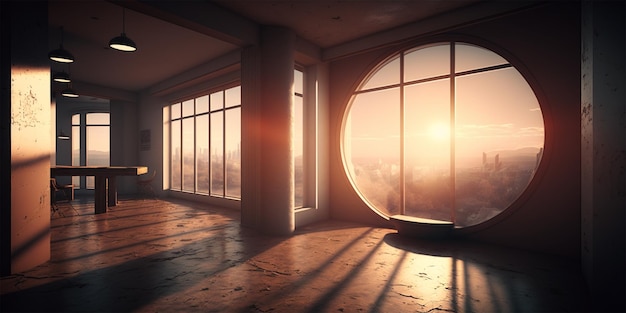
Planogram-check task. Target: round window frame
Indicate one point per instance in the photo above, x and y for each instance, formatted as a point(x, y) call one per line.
point(515, 62)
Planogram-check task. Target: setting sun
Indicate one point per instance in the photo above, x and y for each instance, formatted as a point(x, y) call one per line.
point(439, 131)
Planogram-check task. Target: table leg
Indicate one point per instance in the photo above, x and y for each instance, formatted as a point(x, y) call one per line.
point(100, 201)
point(112, 191)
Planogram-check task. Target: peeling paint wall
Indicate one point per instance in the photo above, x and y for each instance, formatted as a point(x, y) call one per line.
point(29, 138)
point(603, 153)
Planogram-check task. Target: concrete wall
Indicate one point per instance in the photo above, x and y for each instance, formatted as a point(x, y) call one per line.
point(544, 44)
point(151, 119)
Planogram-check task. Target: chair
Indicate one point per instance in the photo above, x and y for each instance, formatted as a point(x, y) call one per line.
point(61, 194)
point(145, 185)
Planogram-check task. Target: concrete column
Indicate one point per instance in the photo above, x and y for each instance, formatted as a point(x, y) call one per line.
point(603, 153)
point(251, 137)
point(277, 65)
point(25, 136)
point(125, 142)
point(267, 199)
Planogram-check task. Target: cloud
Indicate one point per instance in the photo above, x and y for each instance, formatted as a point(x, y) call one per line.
point(484, 130)
point(531, 131)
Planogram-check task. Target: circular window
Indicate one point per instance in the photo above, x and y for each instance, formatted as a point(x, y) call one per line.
point(449, 131)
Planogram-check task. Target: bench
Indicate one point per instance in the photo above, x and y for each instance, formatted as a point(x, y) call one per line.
point(421, 227)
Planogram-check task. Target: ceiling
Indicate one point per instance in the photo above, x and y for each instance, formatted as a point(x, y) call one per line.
point(174, 37)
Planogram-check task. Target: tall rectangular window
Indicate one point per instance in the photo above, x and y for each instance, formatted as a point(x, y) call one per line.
point(176, 148)
point(76, 148)
point(90, 144)
point(202, 145)
point(232, 142)
point(205, 137)
point(217, 153)
point(298, 138)
point(188, 145)
point(98, 142)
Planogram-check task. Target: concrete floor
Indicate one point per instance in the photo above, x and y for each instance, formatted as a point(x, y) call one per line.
point(176, 256)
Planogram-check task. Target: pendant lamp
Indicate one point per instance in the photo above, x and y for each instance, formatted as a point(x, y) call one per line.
point(63, 136)
point(61, 77)
point(61, 55)
point(122, 42)
point(69, 92)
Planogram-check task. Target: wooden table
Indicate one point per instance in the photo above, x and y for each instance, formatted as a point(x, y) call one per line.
point(102, 174)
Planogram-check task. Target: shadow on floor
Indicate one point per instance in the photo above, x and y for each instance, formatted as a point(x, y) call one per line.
point(170, 255)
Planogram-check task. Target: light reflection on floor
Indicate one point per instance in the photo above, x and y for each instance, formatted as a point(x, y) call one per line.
point(166, 256)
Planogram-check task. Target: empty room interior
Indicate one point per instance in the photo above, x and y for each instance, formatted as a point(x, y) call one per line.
point(224, 156)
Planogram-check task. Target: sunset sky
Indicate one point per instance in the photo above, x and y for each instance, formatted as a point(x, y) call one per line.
point(495, 110)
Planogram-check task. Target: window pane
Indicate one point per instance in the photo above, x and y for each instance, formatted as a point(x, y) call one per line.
point(233, 153)
point(202, 104)
point(98, 145)
point(217, 154)
point(76, 151)
point(427, 62)
point(217, 100)
point(298, 151)
point(188, 155)
point(176, 156)
point(97, 149)
point(176, 110)
point(496, 153)
point(202, 153)
point(427, 150)
point(470, 57)
point(233, 97)
point(97, 119)
point(76, 119)
point(388, 74)
point(298, 82)
point(188, 108)
point(372, 149)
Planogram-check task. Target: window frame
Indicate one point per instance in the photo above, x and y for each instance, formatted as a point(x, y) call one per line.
point(302, 186)
point(512, 62)
point(310, 140)
point(80, 182)
point(170, 119)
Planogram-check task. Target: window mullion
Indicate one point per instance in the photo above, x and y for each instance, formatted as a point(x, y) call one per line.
point(224, 144)
point(182, 158)
point(171, 176)
point(195, 149)
point(210, 137)
point(452, 133)
point(402, 138)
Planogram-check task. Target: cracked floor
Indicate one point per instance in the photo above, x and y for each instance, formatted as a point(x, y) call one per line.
point(172, 255)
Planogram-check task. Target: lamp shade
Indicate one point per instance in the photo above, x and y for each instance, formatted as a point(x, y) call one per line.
point(123, 43)
point(61, 77)
point(63, 136)
point(69, 92)
point(61, 55)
